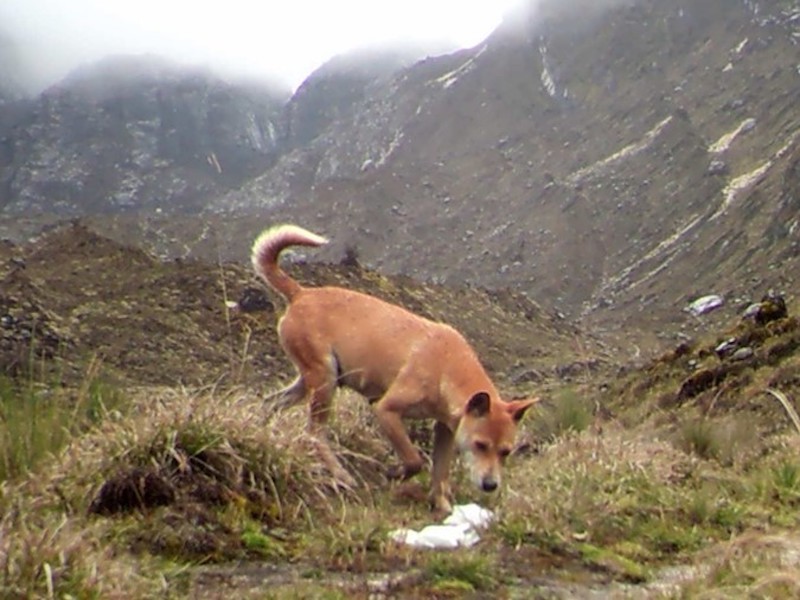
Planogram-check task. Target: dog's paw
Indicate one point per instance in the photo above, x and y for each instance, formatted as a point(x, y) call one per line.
point(396, 472)
point(402, 472)
point(440, 507)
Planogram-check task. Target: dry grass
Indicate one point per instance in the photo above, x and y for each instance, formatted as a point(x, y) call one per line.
point(753, 565)
point(619, 501)
point(627, 502)
point(231, 473)
point(602, 489)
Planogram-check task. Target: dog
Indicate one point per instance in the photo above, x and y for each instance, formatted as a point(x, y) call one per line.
point(405, 365)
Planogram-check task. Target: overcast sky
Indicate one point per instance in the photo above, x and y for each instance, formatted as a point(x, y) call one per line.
point(283, 40)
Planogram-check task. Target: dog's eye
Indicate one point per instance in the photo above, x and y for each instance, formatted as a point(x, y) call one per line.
point(504, 452)
point(481, 446)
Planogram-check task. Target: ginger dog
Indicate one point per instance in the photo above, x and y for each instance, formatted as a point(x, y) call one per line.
point(405, 365)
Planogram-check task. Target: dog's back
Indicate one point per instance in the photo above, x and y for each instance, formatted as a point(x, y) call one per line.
point(371, 341)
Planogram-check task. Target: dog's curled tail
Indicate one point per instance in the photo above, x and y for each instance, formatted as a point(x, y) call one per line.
point(267, 249)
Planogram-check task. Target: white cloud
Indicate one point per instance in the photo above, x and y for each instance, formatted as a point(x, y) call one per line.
point(279, 39)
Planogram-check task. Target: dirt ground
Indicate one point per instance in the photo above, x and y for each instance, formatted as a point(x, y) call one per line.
point(73, 294)
point(74, 298)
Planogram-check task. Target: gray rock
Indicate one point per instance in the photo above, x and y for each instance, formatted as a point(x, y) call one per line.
point(742, 353)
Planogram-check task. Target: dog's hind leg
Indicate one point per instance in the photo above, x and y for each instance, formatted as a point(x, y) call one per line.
point(287, 396)
point(320, 381)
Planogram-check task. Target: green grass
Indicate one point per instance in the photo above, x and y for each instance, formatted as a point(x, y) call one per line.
point(616, 563)
point(568, 412)
point(786, 481)
point(621, 502)
point(698, 436)
point(462, 571)
point(38, 418)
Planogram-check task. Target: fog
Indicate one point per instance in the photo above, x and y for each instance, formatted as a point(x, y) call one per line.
point(277, 40)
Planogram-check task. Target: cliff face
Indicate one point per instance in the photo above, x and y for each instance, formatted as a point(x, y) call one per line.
point(136, 134)
point(640, 156)
point(609, 163)
point(330, 94)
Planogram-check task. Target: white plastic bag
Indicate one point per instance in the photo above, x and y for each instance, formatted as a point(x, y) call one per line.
point(459, 529)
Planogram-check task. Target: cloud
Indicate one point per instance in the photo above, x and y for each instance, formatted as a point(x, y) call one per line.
point(276, 39)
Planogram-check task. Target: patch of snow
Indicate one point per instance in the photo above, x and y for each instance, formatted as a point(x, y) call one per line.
point(546, 77)
point(664, 244)
point(547, 82)
point(626, 152)
point(273, 136)
point(393, 145)
point(742, 182)
point(451, 77)
point(741, 45)
point(662, 247)
point(723, 143)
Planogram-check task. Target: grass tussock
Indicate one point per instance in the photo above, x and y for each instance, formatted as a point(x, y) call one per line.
point(568, 412)
point(626, 502)
point(602, 490)
point(37, 419)
point(186, 476)
point(460, 573)
point(753, 565)
point(183, 477)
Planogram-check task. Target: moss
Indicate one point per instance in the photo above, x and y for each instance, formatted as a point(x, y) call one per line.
point(617, 565)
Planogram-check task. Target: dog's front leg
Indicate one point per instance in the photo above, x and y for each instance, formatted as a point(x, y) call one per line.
point(443, 450)
point(391, 421)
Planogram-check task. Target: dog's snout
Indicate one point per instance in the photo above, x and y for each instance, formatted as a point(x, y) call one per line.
point(488, 485)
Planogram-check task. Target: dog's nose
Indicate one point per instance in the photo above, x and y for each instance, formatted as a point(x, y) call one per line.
point(489, 485)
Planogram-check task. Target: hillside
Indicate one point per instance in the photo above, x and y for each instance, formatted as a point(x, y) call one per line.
point(559, 193)
point(135, 134)
point(74, 295)
point(612, 168)
point(600, 167)
point(138, 457)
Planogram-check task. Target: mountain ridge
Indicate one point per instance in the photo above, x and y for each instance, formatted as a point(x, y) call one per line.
point(613, 168)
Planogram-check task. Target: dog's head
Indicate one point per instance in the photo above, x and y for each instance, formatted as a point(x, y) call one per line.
point(485, 436)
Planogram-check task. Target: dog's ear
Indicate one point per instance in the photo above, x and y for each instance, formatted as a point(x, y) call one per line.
point(517, 408)
point(478, 405)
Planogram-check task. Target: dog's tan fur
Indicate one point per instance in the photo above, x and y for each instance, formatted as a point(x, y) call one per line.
point(406, 365)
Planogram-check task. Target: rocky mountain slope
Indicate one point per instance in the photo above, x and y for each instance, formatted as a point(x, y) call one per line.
point(615, 162)
point(74, 297)
point(136, 134)
point(613, 166)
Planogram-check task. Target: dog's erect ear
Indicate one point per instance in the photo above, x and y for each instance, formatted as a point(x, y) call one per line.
point(478, 405)
point(517, 408)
